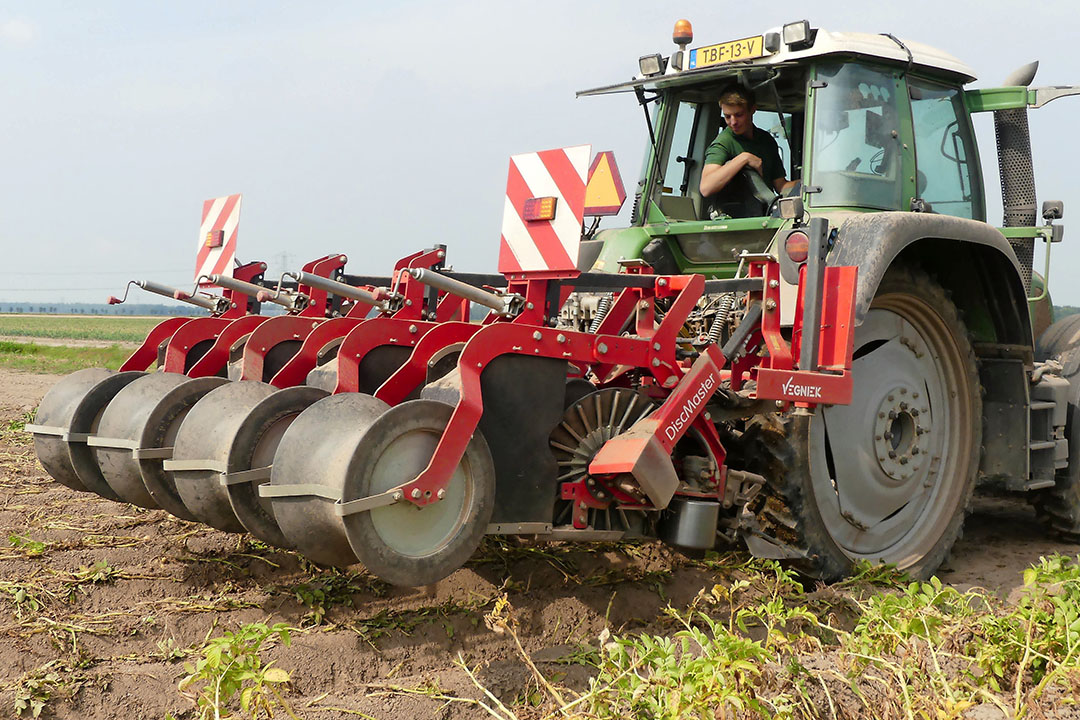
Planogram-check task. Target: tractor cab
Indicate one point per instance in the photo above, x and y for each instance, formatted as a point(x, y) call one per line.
point(864, 122)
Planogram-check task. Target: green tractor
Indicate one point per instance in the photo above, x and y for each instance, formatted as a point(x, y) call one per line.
point(957, 378)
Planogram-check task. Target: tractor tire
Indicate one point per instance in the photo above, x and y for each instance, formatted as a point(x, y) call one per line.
point(888, 478)
point(1060, 337)
point(1058, 507)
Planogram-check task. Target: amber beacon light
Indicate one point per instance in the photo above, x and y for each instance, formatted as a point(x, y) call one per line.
point(683, 34)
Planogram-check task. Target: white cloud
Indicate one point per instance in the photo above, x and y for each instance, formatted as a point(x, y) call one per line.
point(17, 31)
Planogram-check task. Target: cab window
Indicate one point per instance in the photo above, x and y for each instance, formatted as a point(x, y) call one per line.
point(856, 148)
point(944, 149)
point(696, 123)
point(676, 201)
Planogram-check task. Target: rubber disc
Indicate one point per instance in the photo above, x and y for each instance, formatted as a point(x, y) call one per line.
point(254, 445)
point(206, 435)
point(316, 450)
point(147, 413)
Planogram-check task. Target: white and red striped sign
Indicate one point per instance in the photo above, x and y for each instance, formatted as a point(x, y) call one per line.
point(532, 246)
point(217, 236)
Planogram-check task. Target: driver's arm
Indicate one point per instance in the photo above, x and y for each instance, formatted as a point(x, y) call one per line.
point(780, 184)
point(715, 177)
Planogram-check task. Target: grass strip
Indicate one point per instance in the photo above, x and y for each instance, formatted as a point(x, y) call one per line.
point(58, 359)
point(90, 327)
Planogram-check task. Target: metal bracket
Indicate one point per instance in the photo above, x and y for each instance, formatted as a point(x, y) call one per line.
point(59, 432)
point(113, 443)
point(180, 465)
point(45, 430)
point(162, 453)
point(225, 477)
point(267, 490)
point(246, 476)
point(522, 528)
point(344, 509)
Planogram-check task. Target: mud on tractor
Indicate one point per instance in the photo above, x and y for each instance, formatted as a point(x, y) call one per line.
point(823, 375)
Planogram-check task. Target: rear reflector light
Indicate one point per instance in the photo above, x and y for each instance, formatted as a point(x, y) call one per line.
point(797, 246)
point(540, 208)
point(215, 238)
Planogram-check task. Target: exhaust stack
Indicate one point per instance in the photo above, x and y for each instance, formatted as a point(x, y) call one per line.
point(1016, 170)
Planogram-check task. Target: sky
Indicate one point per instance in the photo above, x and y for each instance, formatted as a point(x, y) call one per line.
point(375, 129)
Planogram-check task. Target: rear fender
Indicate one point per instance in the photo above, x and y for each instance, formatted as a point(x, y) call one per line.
point(972, 260)
point(978, 268)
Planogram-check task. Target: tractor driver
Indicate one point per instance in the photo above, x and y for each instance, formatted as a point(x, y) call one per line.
point(740, 145)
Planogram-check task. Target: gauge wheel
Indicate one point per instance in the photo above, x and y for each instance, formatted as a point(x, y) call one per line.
point(887, 479)
point(402, 543)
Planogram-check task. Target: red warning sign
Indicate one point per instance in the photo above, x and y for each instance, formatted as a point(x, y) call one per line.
point(604, 195)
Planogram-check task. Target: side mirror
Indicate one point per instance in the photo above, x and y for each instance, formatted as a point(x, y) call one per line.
point(791, 208)
point(1053, 210)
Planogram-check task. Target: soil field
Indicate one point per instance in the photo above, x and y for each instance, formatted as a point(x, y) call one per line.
point(102, 604)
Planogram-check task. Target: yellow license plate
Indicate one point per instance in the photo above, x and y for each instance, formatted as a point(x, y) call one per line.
point(735, 50)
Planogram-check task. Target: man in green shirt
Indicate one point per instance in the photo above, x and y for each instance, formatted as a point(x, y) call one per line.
point(738, 146)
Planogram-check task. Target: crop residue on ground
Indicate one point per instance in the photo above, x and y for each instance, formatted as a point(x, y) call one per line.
point(108, 611)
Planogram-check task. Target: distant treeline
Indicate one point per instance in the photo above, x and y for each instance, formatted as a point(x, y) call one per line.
point(1061, 311)
point(22, 308)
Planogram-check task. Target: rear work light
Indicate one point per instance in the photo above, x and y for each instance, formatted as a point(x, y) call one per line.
point(540, 208)
point(797, 246)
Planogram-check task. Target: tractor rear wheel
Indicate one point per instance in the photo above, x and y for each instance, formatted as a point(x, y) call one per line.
point(888, 478)
point(1058, 507)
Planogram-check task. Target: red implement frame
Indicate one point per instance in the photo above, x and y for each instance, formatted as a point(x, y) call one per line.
point(412, 308)
point(225, 331)
point(147, 353)
point(282, 328)
point(652, 349)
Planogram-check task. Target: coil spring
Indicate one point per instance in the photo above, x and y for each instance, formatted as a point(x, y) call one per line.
point(720, 320)
point(602, 309)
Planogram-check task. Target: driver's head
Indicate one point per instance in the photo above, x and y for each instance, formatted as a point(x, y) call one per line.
point(737, 105)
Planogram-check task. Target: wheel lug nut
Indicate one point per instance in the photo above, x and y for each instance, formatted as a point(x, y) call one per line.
point(903, 406)
point(888, 436)
point(892, 398)
point(881, 416)
point(903, 461)
point(415, 493)
point(914, 451)
point(892, 414)
point(892, 454)
point(441, 493)
point(915, 412)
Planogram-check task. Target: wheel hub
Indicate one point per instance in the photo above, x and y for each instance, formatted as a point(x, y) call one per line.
point(901, 429)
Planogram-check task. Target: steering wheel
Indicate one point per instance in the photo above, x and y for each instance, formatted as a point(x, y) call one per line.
point(758, 187)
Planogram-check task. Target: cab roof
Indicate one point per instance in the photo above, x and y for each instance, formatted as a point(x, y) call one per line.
point(824, 43)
